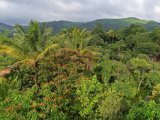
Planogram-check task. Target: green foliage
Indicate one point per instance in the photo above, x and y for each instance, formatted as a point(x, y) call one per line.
point(140, 64)
point(144, 111)
point(140, 68)
point(25, 76)
point(110, 105)
point(89, 93)
point(3, 88)
point(80, 74)
point(152, 79)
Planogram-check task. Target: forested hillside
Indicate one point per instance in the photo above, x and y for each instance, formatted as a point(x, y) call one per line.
point(81, 74)
point(107, 24)
point(4, 27)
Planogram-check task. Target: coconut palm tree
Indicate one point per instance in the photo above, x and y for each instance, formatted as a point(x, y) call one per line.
point(76, 38)
point(28, 44)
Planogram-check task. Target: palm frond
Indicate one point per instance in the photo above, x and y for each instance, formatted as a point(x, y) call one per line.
point(19, 30)
point(13, 44)
point(12, 51)
point(2, 80)
point(46, 51)
point(26, 62)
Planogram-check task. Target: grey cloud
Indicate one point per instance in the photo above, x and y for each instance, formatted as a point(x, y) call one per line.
point(21, 11)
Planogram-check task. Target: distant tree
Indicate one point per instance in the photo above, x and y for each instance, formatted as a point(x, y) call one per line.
point(140, 67)
point(118, 49)
point(149, 48)
point(76, 38)
point(111, 36)
point(99, 30)
point(155, 35)
point(133, 29)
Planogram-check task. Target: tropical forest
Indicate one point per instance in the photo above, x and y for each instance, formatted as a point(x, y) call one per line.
point(80, 73)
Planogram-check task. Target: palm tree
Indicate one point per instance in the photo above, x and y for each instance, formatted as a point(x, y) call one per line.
point(28, 44)
point(76, 38)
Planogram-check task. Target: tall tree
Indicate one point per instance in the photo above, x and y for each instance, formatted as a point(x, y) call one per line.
point(28, 45)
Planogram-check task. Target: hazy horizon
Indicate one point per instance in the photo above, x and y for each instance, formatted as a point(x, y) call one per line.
point(75, 21)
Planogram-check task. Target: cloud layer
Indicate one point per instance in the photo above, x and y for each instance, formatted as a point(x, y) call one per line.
point(21, 11)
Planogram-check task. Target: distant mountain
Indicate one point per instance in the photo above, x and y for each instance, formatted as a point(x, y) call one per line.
point(4, 27)
point(106, 23)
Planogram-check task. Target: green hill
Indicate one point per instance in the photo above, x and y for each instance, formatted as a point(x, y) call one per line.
point(4, 27)
point(106, 23)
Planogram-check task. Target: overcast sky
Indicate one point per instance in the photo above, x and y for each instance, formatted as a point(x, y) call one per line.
point(21, 11)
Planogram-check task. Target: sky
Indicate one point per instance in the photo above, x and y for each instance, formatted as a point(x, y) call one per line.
point(22, 11)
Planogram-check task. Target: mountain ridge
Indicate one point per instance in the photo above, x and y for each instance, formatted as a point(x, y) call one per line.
point(106, 23)
point(4, 26)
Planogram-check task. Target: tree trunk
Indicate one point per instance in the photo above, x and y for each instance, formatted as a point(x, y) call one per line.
point(138, 89)
point(141, 80)
point(36, 73)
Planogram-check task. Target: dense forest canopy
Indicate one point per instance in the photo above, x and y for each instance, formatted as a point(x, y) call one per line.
point(80, 74)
